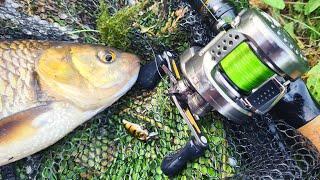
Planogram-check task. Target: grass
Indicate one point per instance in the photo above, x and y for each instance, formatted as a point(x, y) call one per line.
point(305, 28)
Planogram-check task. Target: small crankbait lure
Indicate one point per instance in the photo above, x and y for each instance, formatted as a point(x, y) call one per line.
point(138, 131)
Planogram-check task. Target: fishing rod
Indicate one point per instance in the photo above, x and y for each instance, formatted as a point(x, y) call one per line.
point(252, 67)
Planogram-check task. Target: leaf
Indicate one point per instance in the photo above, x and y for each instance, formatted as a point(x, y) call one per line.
point(289, 27)
point(313, 82)
point(278, 4)
point(212, 172)
point(196, 166)
point(299, 7)
point(311, 6)
point(184, 178)
point(158, 170)
point(204, 170)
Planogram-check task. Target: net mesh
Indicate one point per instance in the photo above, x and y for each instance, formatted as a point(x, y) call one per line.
point(102, 148)
point(273, 149)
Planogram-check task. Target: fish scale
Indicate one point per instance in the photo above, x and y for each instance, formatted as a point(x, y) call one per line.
point(17, 93)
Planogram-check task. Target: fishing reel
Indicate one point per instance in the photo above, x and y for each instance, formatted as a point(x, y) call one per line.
point(245, 70)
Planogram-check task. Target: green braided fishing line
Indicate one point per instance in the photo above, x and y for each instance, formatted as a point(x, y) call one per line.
point(245, 69)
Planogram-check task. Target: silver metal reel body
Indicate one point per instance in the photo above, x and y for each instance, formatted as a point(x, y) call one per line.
point(205, 85)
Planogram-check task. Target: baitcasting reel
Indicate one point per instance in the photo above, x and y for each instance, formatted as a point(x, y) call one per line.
point(244, 70)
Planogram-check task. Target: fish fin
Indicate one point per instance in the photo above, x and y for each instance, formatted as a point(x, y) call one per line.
point(20, 125)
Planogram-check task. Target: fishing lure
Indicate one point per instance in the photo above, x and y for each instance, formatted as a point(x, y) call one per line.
point(138, 131)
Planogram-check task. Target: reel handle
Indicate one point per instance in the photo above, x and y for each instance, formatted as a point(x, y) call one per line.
point(149, 75)
point(172, 164)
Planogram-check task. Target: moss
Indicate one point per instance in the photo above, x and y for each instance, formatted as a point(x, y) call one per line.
point(143, 27)
point(114, 29)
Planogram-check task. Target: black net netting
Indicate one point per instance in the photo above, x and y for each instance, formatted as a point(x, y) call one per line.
point(270, 148)
point(101, 148)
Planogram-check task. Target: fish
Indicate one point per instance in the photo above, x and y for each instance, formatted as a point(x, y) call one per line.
point(49, 88)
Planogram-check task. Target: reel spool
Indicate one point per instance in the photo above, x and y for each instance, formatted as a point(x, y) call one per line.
point(244, 70)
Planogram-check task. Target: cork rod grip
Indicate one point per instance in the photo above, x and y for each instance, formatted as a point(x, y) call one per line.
point(312, 131)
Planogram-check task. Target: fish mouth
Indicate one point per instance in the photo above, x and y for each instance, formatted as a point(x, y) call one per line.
point(133, 63)
point(127, 86)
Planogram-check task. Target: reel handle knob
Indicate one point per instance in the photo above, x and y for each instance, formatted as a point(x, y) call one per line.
point(149, 75)
point(172, 164)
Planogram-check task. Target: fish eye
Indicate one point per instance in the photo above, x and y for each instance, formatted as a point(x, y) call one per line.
point(107, 56)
